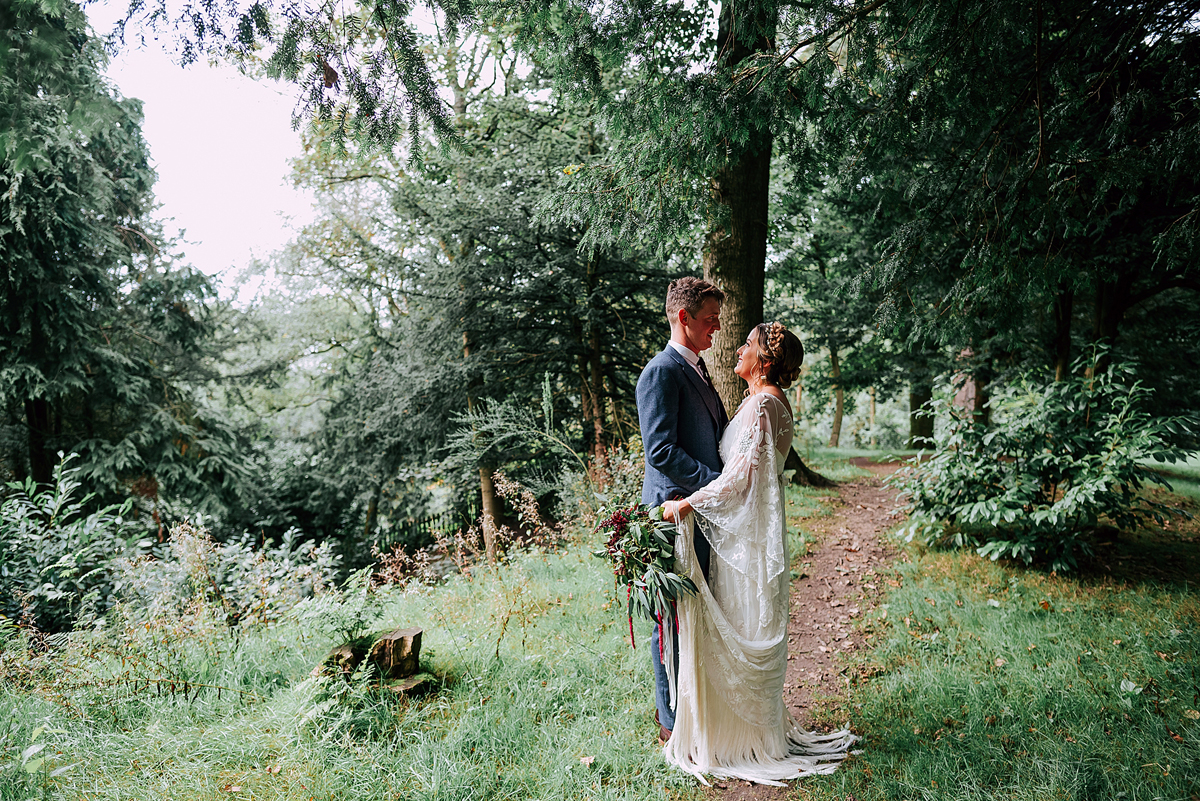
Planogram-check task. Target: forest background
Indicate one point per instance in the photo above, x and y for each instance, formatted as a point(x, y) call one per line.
point(947, 201)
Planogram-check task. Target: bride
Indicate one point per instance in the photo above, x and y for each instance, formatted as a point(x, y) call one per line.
point(730, 719)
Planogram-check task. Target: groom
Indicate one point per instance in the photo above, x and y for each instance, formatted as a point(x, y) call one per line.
point(681, 418)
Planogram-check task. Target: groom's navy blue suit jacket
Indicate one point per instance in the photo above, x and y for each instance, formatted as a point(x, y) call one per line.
point(681, 419)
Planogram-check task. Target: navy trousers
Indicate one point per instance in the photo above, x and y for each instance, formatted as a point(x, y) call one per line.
point(662, 691)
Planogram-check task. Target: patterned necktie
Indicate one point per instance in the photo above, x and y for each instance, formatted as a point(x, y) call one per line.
point(704, 371)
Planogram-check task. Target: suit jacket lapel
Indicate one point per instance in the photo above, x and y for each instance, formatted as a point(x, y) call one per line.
point(707, 393)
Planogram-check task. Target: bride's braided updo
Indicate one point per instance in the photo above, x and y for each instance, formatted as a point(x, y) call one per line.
point(782, 351)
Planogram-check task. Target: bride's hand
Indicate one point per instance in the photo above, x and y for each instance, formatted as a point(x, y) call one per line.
point(674, 511)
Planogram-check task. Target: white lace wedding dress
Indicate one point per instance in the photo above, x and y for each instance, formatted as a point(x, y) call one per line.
point(730, 719)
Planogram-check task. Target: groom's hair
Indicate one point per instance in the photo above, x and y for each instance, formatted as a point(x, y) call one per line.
point(690, 293)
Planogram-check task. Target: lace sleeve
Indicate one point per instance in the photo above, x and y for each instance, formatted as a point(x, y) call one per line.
point(741, 512)
point(730, 487)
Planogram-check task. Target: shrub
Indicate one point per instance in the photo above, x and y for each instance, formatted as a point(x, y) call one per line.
point(54, 553)
point(617, 473)
point(58, 559)
point(1061, 458)
point(251, 586)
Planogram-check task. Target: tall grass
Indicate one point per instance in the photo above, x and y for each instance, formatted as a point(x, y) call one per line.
point(985, 682)
point(539, 696)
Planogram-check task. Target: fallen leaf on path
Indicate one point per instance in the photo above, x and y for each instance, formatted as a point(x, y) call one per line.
point(587, 760)
point(1001, 661)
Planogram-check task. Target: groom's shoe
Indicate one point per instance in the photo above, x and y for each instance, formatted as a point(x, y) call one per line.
point(664, 733)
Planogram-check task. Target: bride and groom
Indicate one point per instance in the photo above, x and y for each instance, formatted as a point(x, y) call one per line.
point(719, 673)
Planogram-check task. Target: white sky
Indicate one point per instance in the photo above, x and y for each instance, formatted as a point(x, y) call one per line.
point(220, 143)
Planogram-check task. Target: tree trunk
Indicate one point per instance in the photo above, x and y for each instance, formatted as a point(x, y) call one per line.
point(1112, 297)
point(804, 475)
point(488, 502)
point(735, 258)
point(16, 459)
point(490, 506)
point(37, 420)
point(839, 398)
point(597, 394)
point(581, 367)
point(981, 413)
point(872, 417)
point(372, 513)
point(1064, 302)
point(920, 426)
point(1108, 311)
point(735, 249)
point(593, 378)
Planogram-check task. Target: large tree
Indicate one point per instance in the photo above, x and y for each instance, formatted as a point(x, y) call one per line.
point(100, 328)
point(462, 299)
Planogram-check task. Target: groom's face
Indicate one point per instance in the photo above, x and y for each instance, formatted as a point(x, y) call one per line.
point(699, 330)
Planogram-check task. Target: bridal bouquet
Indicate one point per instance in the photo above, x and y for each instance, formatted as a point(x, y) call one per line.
point(640, 545)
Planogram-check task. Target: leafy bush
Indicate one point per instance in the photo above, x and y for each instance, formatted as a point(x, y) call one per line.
point(1061, 458)
point(57, 559)
point(616, 474)
point(251, 586)
point(194, 624)
point(54, 553)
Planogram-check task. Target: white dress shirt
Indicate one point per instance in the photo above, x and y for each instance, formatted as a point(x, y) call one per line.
point(692, 357)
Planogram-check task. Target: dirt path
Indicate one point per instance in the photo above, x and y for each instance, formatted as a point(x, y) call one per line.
point(838, 584)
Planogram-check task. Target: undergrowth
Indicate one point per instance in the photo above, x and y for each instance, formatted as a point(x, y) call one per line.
point(537, 695)
point(987, 681)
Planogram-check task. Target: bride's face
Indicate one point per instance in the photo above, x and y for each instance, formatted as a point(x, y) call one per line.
point(747, 360)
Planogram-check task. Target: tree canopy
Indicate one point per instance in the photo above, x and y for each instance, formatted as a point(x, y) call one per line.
point(100, 330)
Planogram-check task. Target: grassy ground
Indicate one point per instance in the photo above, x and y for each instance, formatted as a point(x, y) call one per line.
point(987, 682)
point(1184, 477)
point(990, 681)
point(542, 698)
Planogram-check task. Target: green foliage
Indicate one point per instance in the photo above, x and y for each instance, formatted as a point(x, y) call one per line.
point(250, 586)
point(346, 614)
point(103, 336)
point(497, 433)
point(426, 304)
point(63, 562)
point(362, 69)
point(1060, 459)
point(641, 547)
point(57, 554)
